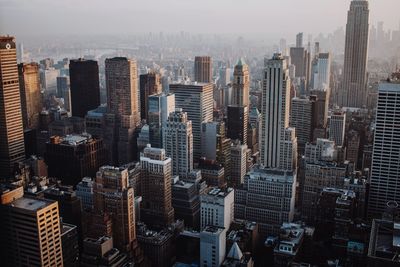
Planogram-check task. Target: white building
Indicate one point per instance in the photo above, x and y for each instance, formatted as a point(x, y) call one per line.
point(238, 163)
point(321, 72)
point(337, 125)
point(216, 207)
point(385, 170)
point(178, 142)
point(275, 110)
point(212, 246)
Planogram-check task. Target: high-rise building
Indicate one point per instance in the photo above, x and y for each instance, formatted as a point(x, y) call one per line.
point(84, 191)
point(72, 157)
point(321, 72)
point(212, 246)
point(64, 91)
point(159, 108)
point(156, 174)
point(278, 142)
point(196, 99)
point(354, 88)
point(337, 127)
point(122, 108)
point(85, 88)
point(322, 105)
point(352, 146)
point(277, 188)
point(114, 195)
point(150, 84)
point(385, 175)
point(203, 69)
point(237, 122)
point(31, 97)
point(238, 164)
point(217, 208)
point(299, 39)
point(241, 84)
point(12, 147)
point(178, 142)
point(30, 230)
point(302, 118)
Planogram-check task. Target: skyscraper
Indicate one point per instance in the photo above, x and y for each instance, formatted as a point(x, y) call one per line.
point(85, 88)
point(241, 84)
point(30, 230)
point(31, 97)
point(178, 142)
point(114, 195)
point(122, 108)
point(150, 84)
point(278, 142)
point(337, 127)
point(299, 39)
point(196, 99)
point(156, 175)
point(385, 174)
point(321, 72)
point(12, 147)
point(354, 87)
point(203, 69)
point(302, 118)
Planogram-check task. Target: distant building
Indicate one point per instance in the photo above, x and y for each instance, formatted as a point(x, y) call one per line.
point(85, 88)
point(302, 118)
point(217, 208)
point(31, 96)
point(150, 84)
point(203, 69)
point(321, 72)
point(337, 127)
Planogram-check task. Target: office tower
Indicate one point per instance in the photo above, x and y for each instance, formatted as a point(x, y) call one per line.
point(150, 84)
point(159, 108)
point(64, 91)
point(48, 80)
point(322, 107)
point(30, 230)
point(224, 77)
point(12, 148)
point(300, 58)
point(122, 109)
point(302, 118)
point(84, 191)
point(352, 146)
point(178, 142)
point(241, 84)
point(337, 127)
point(299, 39)
point(196, 99)
point(277, 188)
point(70, 245)
point(156, 174)
point(31, 97)
point(354, 88)
point(85, 88)
point(216, 207)
point(72, 157)
point(212, 246)
point(114, 195)
point(237, 122)
point(385, 157)
point(278, 142)
point(95, 121)
point(215, 144)
point(321, 72)
point(238, 164)
point(203, 69)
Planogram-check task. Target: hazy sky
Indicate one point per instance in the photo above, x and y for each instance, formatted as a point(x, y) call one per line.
point(274, 17)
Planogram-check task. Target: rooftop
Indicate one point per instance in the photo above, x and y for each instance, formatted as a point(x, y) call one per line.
point(31, 204)
point(213, 229)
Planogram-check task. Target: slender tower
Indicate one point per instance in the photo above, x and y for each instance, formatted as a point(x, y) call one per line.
point(203, 69)
point(12, 147)
point(354, 87)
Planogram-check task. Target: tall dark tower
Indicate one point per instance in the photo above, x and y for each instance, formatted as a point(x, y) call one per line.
point(354, 87)
point(203, 69)
point(85, 89)
point(12, 147)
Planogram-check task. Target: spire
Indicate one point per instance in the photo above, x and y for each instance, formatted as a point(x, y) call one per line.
point(240, 62)
point(235, 252)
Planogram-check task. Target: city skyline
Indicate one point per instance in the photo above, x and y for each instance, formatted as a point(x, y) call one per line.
point(178, 15)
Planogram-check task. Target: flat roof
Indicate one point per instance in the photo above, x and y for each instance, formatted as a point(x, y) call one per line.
point(30, 204)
